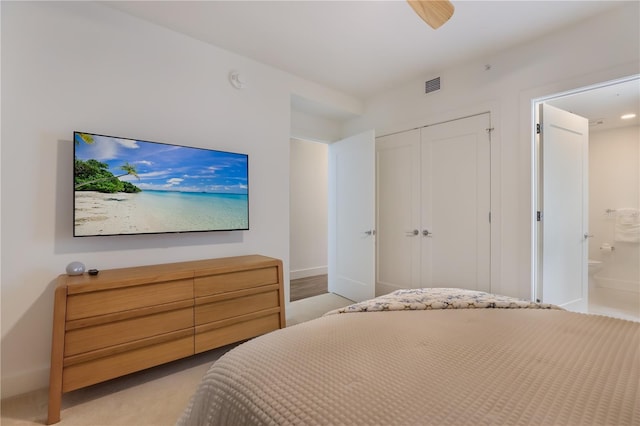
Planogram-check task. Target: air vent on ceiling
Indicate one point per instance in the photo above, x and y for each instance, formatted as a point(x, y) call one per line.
point(432, 85)
point(596, 122)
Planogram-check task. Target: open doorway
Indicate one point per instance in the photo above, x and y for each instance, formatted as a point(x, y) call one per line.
point(308, 189)
point(309, 297)
point(612, 276)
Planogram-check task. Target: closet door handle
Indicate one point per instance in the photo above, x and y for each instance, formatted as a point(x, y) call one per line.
point(412, 233)
point(426, 233)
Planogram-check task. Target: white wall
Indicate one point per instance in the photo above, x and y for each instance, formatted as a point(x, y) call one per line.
point(308, 208)
point(82, 66)
point(614, 183)
point(314, 127)
point(600, 49)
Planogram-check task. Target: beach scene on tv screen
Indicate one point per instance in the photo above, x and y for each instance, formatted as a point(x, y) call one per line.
point(126, 186)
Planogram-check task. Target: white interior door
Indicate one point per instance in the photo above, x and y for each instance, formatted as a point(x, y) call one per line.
point(351, 260)
point(398, 211)
point(456, 204)
point(564, 142)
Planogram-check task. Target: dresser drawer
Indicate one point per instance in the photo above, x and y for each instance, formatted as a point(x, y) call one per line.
point(103, 302)
point(90, 371)
point(211, 336)
point(100, 336)
point(228, 308)
point(220, 283)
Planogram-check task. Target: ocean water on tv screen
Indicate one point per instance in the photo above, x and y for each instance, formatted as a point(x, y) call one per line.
point(201, 211)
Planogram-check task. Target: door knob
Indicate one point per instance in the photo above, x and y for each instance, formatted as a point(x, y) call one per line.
point(370, 232)
point(412, 233)
point(426, 233)
point(587, 235)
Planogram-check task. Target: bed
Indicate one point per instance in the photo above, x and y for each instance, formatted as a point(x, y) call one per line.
point(430, 357)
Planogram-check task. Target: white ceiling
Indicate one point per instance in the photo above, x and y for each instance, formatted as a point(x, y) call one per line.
point(604, 106)
point(361, 47)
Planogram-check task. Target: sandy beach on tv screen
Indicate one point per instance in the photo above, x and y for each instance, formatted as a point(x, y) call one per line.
point(98, 213)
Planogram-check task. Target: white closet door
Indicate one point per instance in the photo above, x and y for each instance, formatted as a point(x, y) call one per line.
point(398, 211)
point(456, 184)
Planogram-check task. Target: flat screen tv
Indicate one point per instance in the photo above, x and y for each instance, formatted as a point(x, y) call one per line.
point(126, 186)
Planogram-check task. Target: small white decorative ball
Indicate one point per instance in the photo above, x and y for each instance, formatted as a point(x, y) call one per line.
point(75, 268)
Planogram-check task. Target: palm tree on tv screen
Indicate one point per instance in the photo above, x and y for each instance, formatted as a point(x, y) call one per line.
point(129, 169)
point(98, 170)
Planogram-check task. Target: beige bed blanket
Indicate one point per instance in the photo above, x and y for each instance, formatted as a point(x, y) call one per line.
point(430, 367)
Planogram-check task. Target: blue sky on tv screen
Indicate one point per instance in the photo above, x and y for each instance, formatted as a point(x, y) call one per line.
point(163, 167)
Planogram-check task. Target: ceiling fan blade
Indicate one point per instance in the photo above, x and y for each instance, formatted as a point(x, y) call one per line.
point(433, 12)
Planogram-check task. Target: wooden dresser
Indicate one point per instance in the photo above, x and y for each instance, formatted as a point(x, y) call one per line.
point(125, 320)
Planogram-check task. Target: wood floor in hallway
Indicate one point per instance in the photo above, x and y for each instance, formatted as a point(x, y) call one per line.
point(302, 288)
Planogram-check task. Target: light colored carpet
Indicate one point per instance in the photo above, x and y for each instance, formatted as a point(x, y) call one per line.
point(314, 307)
point(154, 397)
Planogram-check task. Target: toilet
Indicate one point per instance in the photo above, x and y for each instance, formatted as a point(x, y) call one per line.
point(594, 266)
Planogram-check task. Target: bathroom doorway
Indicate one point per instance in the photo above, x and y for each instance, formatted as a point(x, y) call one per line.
point(613, 235)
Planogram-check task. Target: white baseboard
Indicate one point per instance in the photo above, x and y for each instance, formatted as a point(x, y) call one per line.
point(309, 272)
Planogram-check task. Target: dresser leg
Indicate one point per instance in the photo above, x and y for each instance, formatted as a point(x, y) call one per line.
point(55, 400)
point(57, 354)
